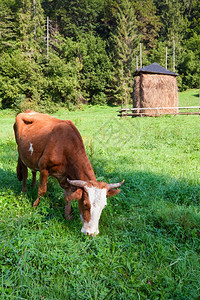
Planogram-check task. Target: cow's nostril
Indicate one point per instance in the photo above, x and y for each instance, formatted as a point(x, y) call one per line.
point(88, 233)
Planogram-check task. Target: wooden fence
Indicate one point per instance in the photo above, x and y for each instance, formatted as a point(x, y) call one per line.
point(134, 112)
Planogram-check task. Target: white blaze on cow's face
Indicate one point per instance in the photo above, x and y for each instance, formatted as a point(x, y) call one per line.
point(98, 201)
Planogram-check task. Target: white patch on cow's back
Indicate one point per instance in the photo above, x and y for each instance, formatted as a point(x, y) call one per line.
point(32, 113)
point(98, 201)
point(31, 148)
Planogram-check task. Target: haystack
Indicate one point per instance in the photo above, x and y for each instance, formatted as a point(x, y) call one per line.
point(155, 87)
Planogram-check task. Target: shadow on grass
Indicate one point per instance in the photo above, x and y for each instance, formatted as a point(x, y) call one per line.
point(146, 199)
point(148, 187)
point(196, 95)
point(51, 205)
point(140, 188)
point(8, 180)
point(145, 186)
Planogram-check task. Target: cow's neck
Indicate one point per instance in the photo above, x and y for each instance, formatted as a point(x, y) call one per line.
point(83, 170)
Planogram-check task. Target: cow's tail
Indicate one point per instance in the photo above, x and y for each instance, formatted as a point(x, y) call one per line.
point(19, 170)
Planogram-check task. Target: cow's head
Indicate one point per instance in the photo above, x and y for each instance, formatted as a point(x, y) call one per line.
point(93, 199)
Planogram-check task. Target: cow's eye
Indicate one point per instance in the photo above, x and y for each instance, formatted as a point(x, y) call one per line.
point(85, 205)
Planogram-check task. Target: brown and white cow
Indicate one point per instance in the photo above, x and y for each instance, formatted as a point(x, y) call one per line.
point(55, 148)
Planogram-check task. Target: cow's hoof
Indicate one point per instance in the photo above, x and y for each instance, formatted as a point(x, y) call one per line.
point(69, 217)
point(36, 203)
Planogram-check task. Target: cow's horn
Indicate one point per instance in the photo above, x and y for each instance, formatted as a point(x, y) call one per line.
point(114, 185)
point(78, 183)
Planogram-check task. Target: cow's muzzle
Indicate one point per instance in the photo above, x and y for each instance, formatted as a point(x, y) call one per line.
point(89, 232)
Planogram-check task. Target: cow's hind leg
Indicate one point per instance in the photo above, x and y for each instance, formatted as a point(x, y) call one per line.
point(22, 173)
point(33, 179)
point(42, 186)
point(19, 170)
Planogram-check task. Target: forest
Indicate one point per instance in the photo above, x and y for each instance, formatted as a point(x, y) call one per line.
point(57, 53)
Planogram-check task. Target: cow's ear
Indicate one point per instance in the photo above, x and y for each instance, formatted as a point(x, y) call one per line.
point(111, 193)
point(77, 195)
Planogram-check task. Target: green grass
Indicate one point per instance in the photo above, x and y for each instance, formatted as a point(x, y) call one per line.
point(189, 98)
point(149, 241)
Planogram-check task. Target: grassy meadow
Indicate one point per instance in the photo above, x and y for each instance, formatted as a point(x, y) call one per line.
point(149, 241)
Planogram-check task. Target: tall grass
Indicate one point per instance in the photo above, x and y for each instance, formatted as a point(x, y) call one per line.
point(149, 241)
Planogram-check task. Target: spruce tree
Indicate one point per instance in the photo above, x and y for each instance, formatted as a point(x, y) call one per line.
point(125, 40)
point(31, 25)
point(8, 26)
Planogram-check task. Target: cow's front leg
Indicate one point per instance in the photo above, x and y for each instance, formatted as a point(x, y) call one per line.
point(68, 208)
point(69, 196)
point(42, 186)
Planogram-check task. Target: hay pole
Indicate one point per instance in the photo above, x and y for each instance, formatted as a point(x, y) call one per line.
point(174, 55)
point(47, 39)
point(140, 55)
